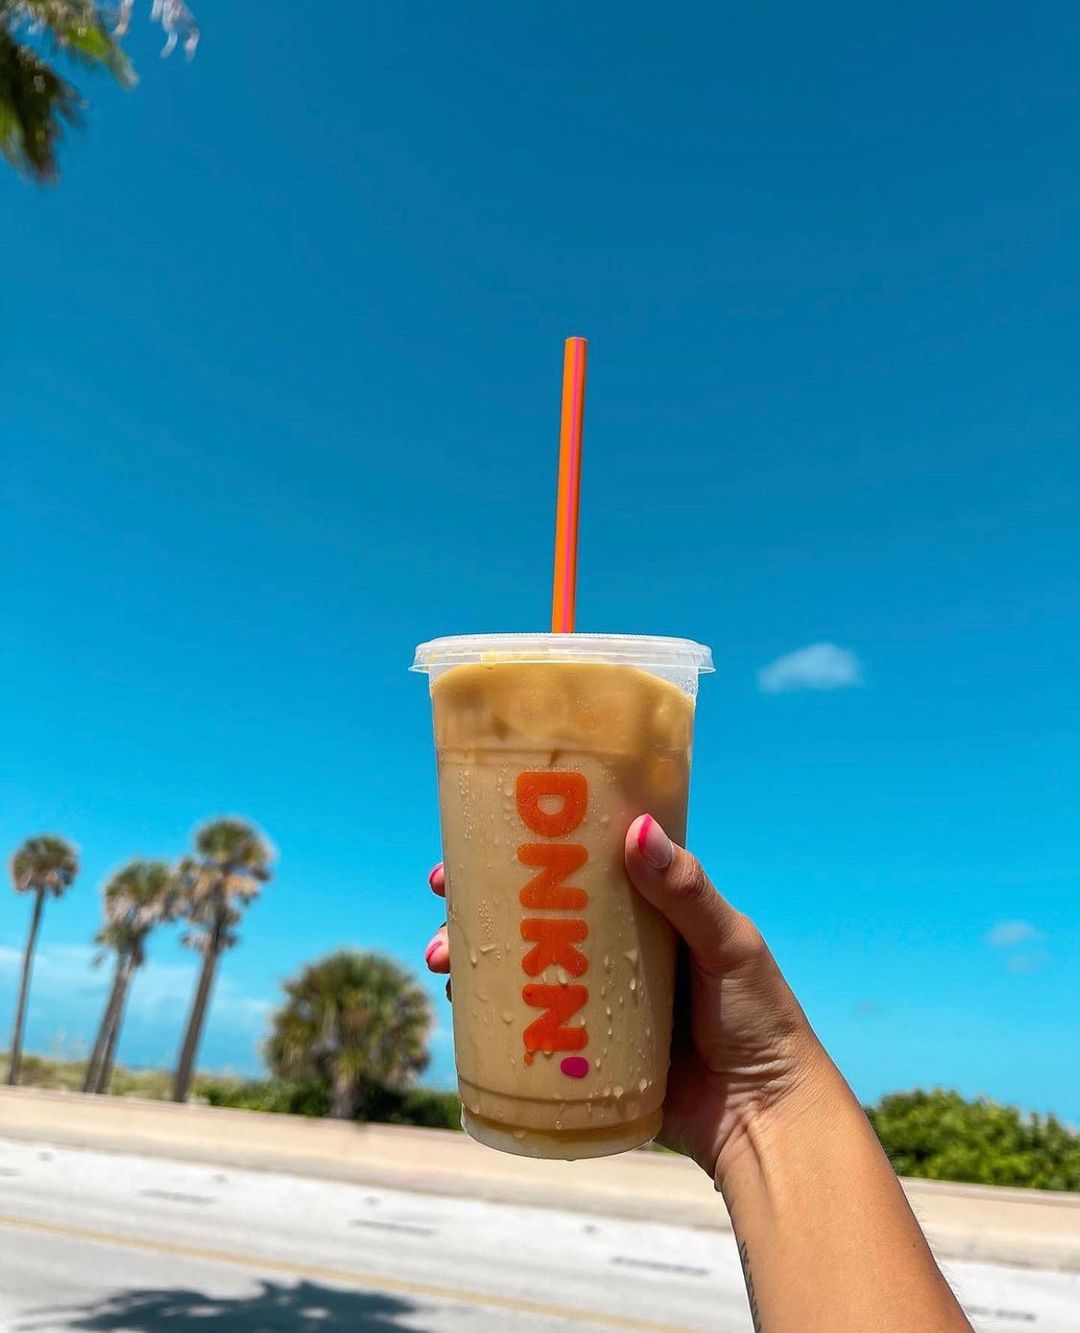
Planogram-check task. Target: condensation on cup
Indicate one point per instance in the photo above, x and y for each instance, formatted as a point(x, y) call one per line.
point(548, 747)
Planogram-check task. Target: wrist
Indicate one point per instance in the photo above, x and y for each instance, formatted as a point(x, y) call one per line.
point(812, 1197)
point(812, 1093)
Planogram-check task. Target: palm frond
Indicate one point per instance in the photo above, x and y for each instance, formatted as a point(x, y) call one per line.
point(231, 863)
point(36, 106)
point(234, 846)
point(138, 897)
point(179, 24)
point(45, 864)
point(79, 29)
point(354, 1018)
point(120, 937)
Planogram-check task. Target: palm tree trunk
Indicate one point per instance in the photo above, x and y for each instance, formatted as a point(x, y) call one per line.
point(108, 1058)
point(108, 1019)
point(344, 1097)
point(15, 1061)
point(185, 1067)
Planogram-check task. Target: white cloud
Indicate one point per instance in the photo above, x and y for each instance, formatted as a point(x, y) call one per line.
point(62, 966)
point(68, 994)
point(1028, 962)
point(1008, 934)
point(819, 666)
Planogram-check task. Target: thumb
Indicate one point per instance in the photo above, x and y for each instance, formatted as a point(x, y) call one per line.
point(666, 875)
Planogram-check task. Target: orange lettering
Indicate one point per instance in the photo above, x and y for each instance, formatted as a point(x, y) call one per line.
point(570, 788)
point(546, 890)
point(554, 940)
point(548, 1033)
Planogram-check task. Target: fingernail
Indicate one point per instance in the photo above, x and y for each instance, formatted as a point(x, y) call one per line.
point(434, 871)
point(654, 844)
point(433, 948)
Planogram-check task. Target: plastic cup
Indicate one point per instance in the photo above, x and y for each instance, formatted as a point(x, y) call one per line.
point(548, 747)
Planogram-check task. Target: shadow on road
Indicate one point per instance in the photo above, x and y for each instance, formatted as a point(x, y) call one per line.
point(305, 1307)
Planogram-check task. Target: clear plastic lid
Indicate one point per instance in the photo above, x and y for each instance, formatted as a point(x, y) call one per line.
point(679, 660)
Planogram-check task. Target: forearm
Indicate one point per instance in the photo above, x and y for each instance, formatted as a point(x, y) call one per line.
point(827, 1239)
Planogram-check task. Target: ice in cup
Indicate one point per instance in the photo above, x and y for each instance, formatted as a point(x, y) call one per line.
point(548, 746)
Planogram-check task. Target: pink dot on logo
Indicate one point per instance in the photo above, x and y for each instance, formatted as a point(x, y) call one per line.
point(575, 1066)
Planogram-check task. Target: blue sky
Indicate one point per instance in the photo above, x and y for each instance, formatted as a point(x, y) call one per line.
point(281, 398)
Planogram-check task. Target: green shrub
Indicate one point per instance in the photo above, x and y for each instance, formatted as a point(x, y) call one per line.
point(419, 1106)
point(940, 1135)
point(309, 1098)
point(422, 1106)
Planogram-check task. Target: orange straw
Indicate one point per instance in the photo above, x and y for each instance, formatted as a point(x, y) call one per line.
point(566, 512)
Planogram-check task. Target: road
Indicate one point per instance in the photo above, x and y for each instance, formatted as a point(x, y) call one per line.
point(97, 1241)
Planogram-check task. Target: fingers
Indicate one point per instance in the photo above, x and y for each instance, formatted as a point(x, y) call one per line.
point(437, 954)
point(718, 936)
point(674, 882)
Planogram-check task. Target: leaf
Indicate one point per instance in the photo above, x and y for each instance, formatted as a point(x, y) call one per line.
point(46, 863)
point(77, 27)
point(356, 1020)
point(36, 106)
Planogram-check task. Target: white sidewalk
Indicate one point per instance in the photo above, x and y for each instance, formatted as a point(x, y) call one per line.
point(111, 1241)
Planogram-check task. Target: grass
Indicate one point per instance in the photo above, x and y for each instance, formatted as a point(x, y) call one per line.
point(39, 1071)
point(419, 1106)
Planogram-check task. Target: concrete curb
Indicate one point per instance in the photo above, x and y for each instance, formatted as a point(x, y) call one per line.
point(1026, 1228)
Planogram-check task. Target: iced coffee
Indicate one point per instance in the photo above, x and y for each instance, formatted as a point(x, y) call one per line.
point(548, 748)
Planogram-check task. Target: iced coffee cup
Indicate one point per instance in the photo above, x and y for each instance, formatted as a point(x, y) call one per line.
point(548, 746)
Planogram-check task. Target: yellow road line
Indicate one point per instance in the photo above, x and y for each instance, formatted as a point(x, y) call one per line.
point(346, 1277)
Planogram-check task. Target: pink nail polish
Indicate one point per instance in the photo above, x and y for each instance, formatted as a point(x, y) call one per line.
point(433, 948)
point(434, 871)
point(654, 844)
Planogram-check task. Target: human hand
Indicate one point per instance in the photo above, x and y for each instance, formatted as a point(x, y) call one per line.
point(742, 1049)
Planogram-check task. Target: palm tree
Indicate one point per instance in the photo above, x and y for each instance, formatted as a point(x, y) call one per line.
point(231, 863)
point(36, 103)
point(137, 898)
point(118, 938)
point(42, 865)
point(356, 1020)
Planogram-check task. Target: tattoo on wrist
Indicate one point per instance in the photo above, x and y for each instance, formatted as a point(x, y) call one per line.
point(748, 1278)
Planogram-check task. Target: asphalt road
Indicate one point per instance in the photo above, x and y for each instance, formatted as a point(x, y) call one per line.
point(100, 1242)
